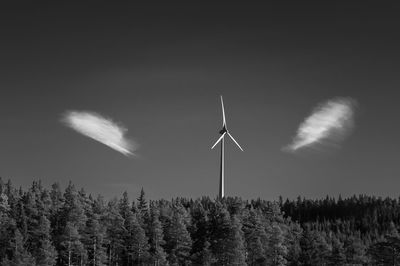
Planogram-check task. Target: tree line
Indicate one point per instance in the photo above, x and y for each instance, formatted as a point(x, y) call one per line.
point(54, 226)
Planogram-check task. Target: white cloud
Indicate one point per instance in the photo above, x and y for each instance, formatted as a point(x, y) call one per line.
point(99, 128)
point(330, 122)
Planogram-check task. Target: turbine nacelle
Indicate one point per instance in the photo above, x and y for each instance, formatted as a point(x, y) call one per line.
point(224, 129)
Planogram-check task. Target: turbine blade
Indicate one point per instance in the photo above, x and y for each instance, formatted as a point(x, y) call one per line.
point(235, 141)
point(220, 138)
point(223, 112)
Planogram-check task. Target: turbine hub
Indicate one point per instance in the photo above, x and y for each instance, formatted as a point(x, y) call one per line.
point(223, 130)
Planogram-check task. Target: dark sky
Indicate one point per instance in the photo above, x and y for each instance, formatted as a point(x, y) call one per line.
point(159, 70)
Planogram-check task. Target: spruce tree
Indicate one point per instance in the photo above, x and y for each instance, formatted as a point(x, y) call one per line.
point(276, 251)
point(142, 207)
point(124, 205)
point(44, 205)
point(206, 256)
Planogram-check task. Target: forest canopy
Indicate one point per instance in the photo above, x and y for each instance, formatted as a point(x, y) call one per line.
point(54, 226)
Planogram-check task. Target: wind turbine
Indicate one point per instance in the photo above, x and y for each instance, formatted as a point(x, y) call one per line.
point(224, 131)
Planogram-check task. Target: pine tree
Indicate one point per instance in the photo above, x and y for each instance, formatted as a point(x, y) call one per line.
point(72, 224)
point(37, 225)
point(236, 248)
point(227, 242)
point(385, 252)
point(315, 250)
point(135, 241)
point(156, 239)
point(73, 211)
point(114, 233)
point(179, 242)
point(56, 216)
point(338, 257)
point(256, 238)
point(94, 238)
point(276, 251)
point(293, 243)
point(6, 224)
point(20, 256)
point(21, 219)
point(4, 206)
point(84, 202)
point(220, 230)
point(393, 232)
point(355, 251)
point(322, 249)
point(45, 253)
point(89, 231)
point(73, 251)
point(201, 253)
point(12, 198)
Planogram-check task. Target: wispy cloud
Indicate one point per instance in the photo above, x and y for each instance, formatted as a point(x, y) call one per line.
point(330, 122)
point(102, 129)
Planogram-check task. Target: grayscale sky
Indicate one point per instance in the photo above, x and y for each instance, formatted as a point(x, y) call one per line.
point(159, 70)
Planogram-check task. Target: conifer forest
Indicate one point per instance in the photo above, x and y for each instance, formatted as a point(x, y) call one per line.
point(54, 226)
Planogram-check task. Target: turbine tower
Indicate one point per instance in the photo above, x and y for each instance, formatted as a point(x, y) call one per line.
point(224, 131)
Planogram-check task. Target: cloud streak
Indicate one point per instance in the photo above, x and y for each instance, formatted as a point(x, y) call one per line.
point(330, 122)
point(101, 129)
